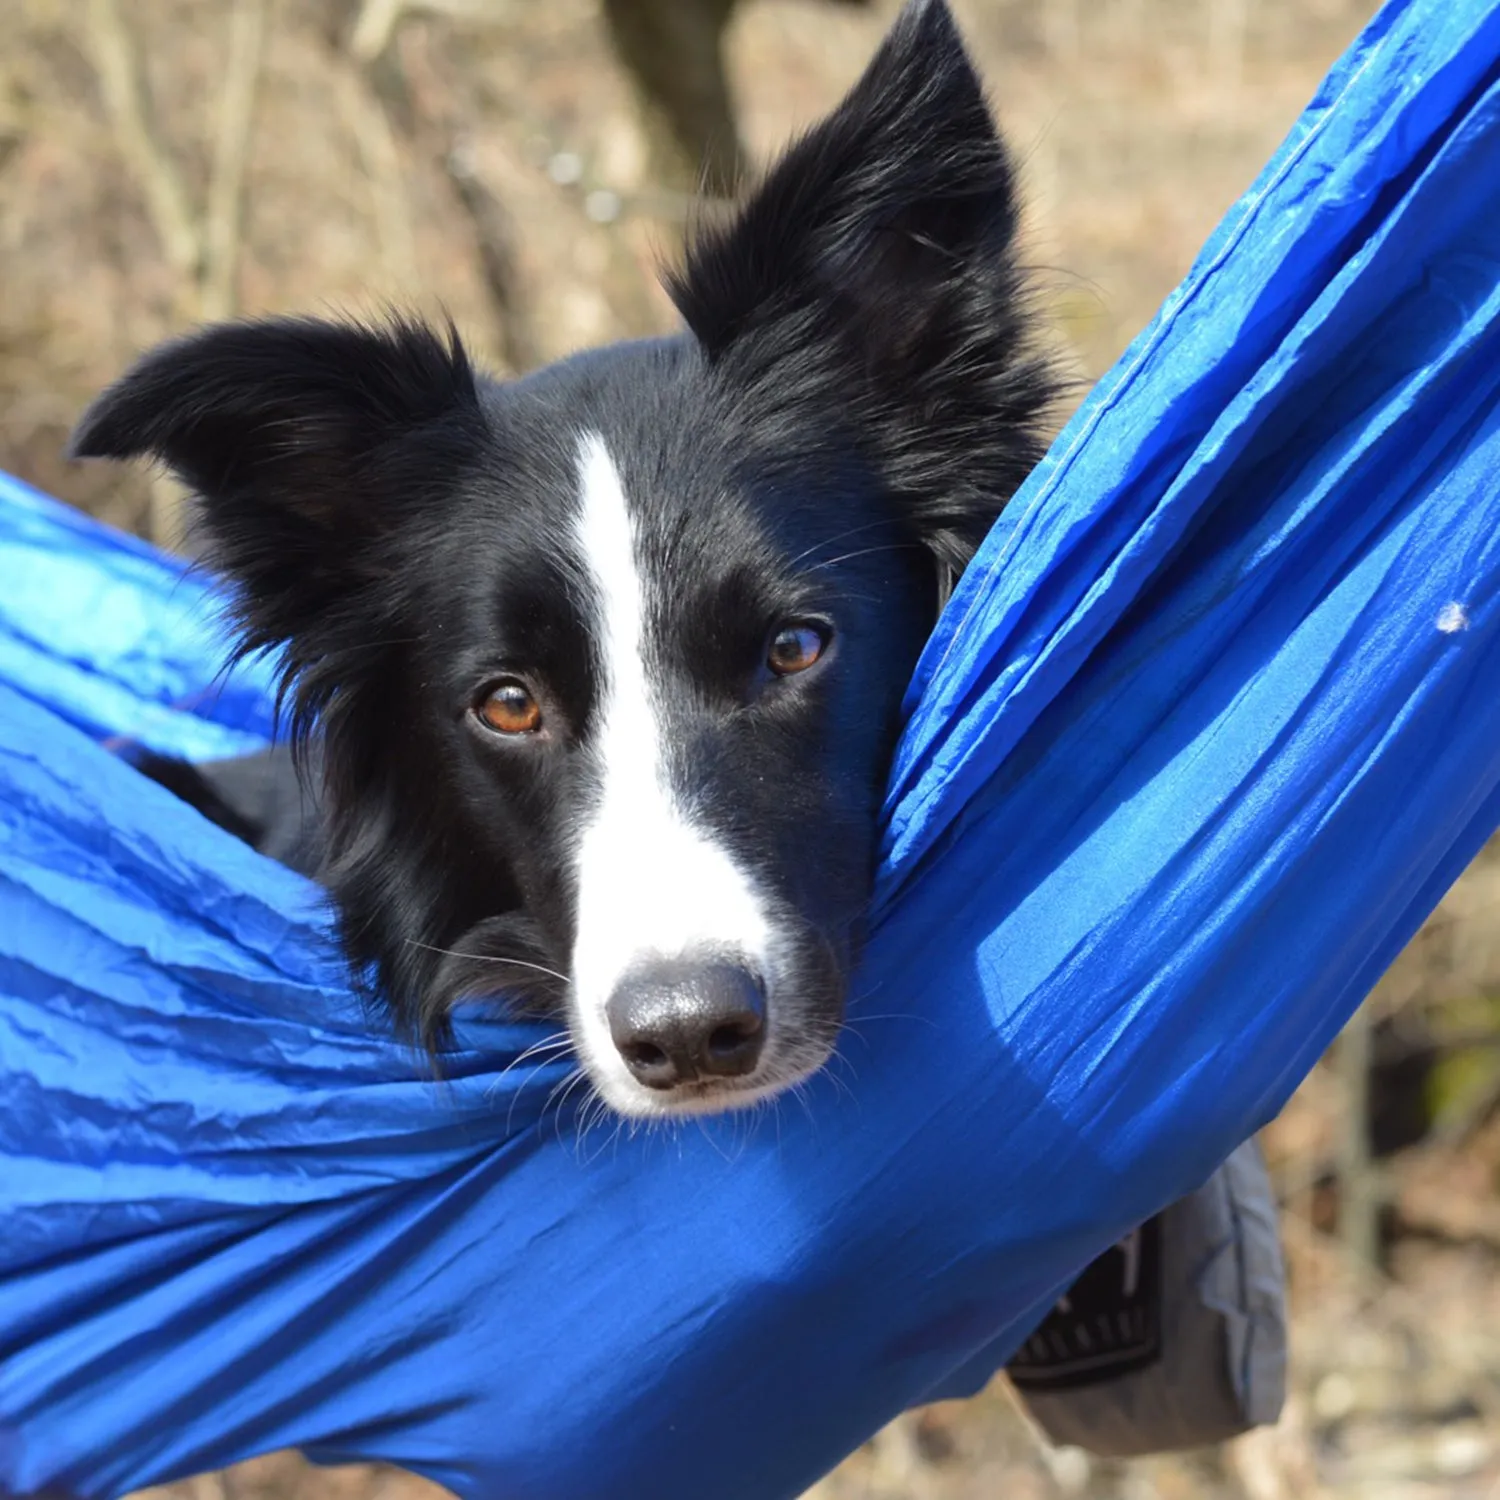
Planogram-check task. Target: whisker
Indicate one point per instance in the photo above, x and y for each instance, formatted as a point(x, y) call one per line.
point(800, 1093)
point(844, 1086)
point(487, 958)
point(853, 1025)
point(702, 1123)
point(612, 1142)
point(838, 536)
point(896, 1015)
point(556, 1043)
point(864, 552)
point(591, 1115)
point(566, 1086)
point(515, 1097)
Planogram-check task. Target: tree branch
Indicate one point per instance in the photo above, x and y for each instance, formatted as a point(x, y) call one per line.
point(221, 238)
point(372, 29)
point(124, 98)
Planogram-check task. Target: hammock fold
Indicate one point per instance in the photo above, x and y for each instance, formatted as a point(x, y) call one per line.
point(1206, 731)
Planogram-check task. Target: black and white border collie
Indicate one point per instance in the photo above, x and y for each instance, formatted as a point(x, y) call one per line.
point(601, 669)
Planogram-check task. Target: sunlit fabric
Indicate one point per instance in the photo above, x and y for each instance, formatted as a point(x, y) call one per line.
point(1203, 736)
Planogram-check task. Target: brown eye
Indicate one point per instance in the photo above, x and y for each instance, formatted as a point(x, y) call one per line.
point(509, 708)
point(795, 648)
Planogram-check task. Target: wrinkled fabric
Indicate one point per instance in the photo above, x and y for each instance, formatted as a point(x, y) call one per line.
point(1204, 734)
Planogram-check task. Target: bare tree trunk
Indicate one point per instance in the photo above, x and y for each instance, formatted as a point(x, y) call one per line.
point(1360, 1193)
point(202, 249)
point(674, 52)
point(218, 294)
point(408, 84)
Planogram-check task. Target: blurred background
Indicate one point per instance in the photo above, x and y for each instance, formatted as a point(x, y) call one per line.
point(525, 165)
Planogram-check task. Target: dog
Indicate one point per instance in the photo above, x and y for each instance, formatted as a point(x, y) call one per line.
point(602, 667)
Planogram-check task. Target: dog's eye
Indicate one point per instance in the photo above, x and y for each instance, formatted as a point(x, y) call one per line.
point(509, 708)
point(794, 648)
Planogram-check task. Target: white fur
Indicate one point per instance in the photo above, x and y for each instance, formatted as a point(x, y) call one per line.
point(650, 882)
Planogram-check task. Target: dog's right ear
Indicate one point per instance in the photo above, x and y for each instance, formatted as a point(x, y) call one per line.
point(296, 434)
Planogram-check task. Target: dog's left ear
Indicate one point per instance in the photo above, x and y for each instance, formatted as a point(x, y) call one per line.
point(870, 280)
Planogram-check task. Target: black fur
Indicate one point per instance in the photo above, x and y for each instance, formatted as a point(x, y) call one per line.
point(855, 400)
point(872, 281)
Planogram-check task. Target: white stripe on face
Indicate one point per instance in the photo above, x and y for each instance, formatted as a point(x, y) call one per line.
point(650, 883)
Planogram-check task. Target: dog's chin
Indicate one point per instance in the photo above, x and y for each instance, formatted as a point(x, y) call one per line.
point(719, 1096)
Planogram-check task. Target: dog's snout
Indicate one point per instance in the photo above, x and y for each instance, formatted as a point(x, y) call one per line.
point(678, 1023)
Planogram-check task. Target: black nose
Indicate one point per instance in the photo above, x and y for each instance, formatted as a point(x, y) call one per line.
point(673, 1023)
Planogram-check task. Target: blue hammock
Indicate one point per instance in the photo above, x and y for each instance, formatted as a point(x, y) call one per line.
point(1205, 733)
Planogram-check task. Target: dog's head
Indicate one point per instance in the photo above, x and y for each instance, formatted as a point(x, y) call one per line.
point(605, 664)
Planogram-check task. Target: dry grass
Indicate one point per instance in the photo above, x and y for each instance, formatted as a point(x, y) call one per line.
point(490, 161)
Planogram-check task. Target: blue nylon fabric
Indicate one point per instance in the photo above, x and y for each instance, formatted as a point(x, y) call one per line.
point(1202, 738)
point(113, 637)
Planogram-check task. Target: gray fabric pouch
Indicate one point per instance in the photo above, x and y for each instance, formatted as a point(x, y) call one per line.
point(1174, 1338)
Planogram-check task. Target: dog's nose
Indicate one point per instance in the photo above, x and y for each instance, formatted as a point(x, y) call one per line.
point(673, 1023)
